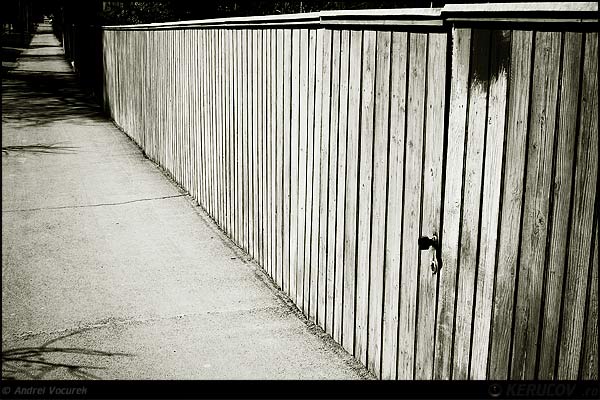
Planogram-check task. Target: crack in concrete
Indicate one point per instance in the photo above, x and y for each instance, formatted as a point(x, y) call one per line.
point(92, 205)
point(114, 322)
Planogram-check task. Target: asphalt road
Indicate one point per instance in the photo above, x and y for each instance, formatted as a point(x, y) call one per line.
point(110, 271)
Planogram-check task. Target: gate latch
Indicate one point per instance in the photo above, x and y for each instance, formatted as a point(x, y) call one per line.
point(426, 243)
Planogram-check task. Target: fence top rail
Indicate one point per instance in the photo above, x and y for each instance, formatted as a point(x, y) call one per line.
point(516, 12)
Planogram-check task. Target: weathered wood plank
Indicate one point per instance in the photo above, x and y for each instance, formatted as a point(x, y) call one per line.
point(232, 136)
point(351, 209)
point(324, 180)
point(294, 147)
point(245, 38)
point(219, 128)
point(287, 78)
point(302, 155)
point(314, 245)
point(260, 153)
point(415, 121)
point(273, 150)
point(431, 214)
point(312, 54)
point(269, 188)
point(393, 245)
point(457, 120)
point(332, 184)
point(237, 37)
point(379, 197)
point(279, 160)
point(255, 189)
point(512, 196)
point(537, 200)
point(478, 88)
point(589, 362)
point(586, 176)
point(365, 194)
point(560, 193)
point(490, 203)
point(341, 187)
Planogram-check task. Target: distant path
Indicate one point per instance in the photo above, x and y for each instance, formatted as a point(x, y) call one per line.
point(109, 271)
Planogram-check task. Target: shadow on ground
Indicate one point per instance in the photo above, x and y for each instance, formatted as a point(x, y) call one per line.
point(35, 98)
point(38, 362)
point(54, 148)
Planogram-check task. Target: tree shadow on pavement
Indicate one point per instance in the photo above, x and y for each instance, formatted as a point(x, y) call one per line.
point(35, 98)
point(54, 148)
point(38, 362)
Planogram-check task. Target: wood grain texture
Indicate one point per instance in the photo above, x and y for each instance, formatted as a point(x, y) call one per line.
point(287, 74)
point(589, 362)
point(309, 168)
point(379, 201)
point(472, 181)
point(351, 206)
point(323, 171)
point(490, 203)
point(330, 306)
point(431, 203)
point(393, 245)
point(512, 196)
point(586, 178)
point(302, 156)
point(294, 147)
point(415, 122)
point(537, 199)
point(457, 122)
point(280, 157)
point(365, 194)
point(560, 193)
point(341, 187)
point(316, 185)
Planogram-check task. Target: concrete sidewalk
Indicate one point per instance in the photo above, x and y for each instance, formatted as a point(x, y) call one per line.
point(110, 271)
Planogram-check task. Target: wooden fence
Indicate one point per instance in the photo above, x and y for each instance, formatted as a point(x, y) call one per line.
point(326, 144)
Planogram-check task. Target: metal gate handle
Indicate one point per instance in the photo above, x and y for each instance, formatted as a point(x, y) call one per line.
point(425, 243)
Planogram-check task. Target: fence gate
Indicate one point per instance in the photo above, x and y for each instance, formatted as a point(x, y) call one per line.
point(517, 248)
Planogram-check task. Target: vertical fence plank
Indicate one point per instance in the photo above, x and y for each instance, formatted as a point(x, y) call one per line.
point(312, 46)
point(302, 156)
point(314, 245)
point(280, 156)
point(461, 41)
point(324, 169)
point(341, 186)
point(260, 148)
point(431, 214)
point(287, 77)
point(586, 175)
point(245, 41)
point(393, 244)
point(294, 147)
point(589, 362)
point(510, 222)
point(269, 138)
point(412, 203)
point(365, 193)
point(560, 193)
point(332, 184)
point(537, 199)
point(378, 221)
point(478, 88)
point(254, 191)
point(490, 203)
point(229, 86)
point(352, 189)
